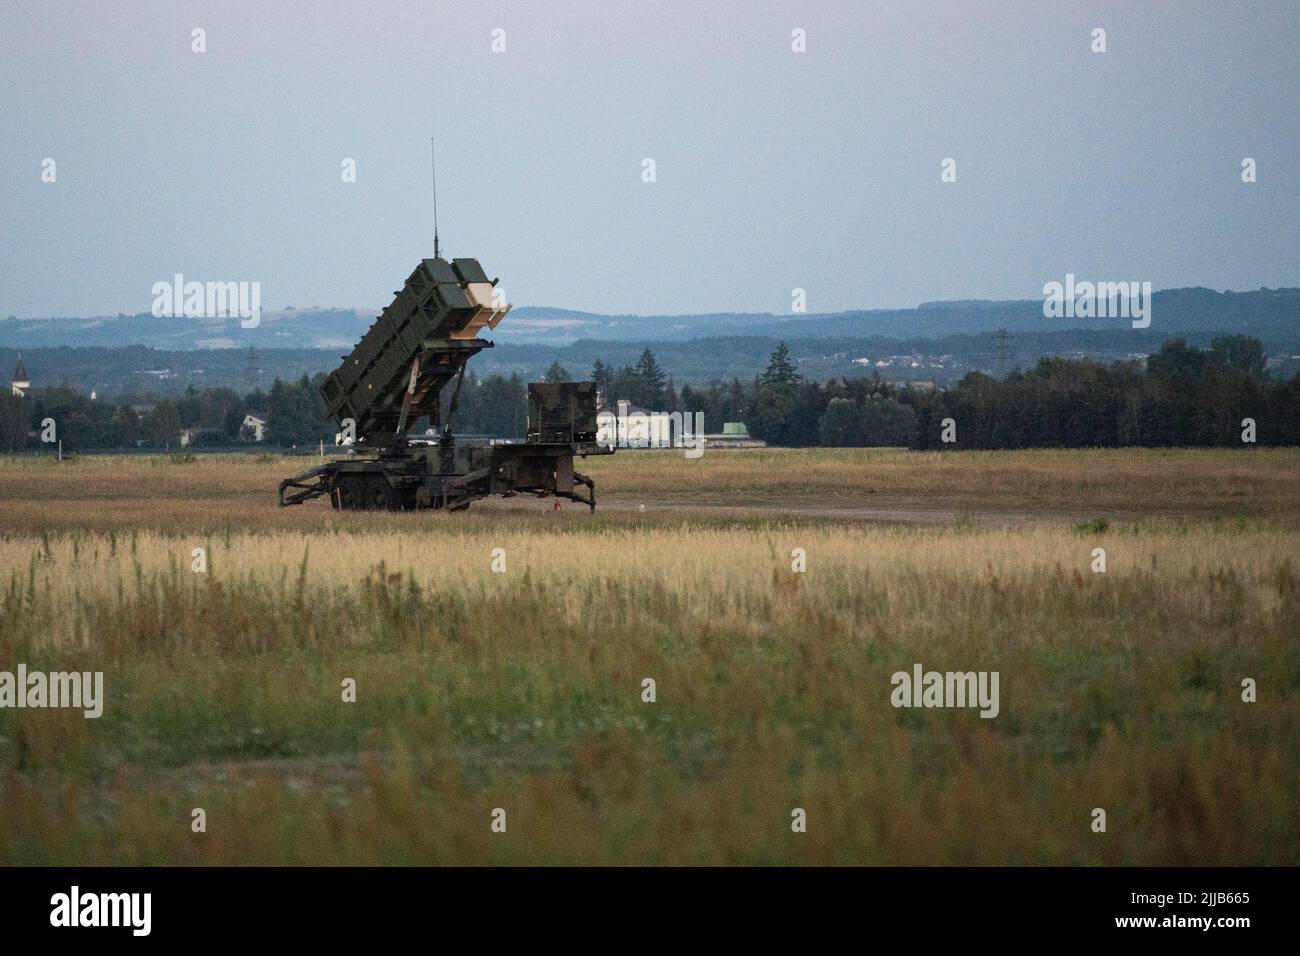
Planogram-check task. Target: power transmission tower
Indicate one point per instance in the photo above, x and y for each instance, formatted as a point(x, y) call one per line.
point(250, 373)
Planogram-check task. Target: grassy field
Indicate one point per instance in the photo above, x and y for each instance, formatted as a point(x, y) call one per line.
point(237, 492)
point(522, 690)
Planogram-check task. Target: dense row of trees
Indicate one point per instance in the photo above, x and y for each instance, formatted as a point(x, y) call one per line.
point(1182, 396)
point(294, 413)
point(645, 384)
point(778, 406)
point(495, 405)
point(783, 408)
point(215, 416)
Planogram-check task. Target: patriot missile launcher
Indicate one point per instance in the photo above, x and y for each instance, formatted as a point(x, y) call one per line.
point(397, 373)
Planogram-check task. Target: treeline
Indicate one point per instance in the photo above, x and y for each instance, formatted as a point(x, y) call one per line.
point(1182, 396)
point(294, 414)
point(211, 417)
point(780, 406)
point(783, 408)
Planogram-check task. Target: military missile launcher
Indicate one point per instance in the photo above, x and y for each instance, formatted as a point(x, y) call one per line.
point(396, 375)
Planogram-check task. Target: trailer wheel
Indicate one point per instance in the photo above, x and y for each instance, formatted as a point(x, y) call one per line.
point(348, 494)
point(381, 496)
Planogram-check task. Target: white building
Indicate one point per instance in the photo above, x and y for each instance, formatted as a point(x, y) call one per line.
point(627, 426)
point(255, 425)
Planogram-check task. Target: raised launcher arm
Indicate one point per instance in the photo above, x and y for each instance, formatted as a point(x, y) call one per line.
point(396, 374)
point(418, 344)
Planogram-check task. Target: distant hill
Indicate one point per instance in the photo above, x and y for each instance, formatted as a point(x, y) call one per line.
point(1273, 315)
point(940, 342)
point(138, 369)
point(291, 329)
point(943, 360)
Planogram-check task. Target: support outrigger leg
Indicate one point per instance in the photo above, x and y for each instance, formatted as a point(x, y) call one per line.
point(312, 483)
point(590, 499)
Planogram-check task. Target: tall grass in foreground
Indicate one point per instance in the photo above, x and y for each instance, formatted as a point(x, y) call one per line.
point(522, 690)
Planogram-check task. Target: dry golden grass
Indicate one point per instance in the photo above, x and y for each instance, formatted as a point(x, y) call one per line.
point(737, 575)
point(239, 491)
point(522, 690)
point(1250, 481)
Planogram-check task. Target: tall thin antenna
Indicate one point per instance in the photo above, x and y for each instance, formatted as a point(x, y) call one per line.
point(433, 160)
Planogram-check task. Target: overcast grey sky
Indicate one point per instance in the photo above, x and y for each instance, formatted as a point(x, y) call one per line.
point(775, 169)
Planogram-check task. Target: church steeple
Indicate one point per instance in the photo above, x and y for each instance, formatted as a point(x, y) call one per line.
point(21, 382)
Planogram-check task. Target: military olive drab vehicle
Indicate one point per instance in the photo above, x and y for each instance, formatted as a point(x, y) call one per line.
point(397, 373)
